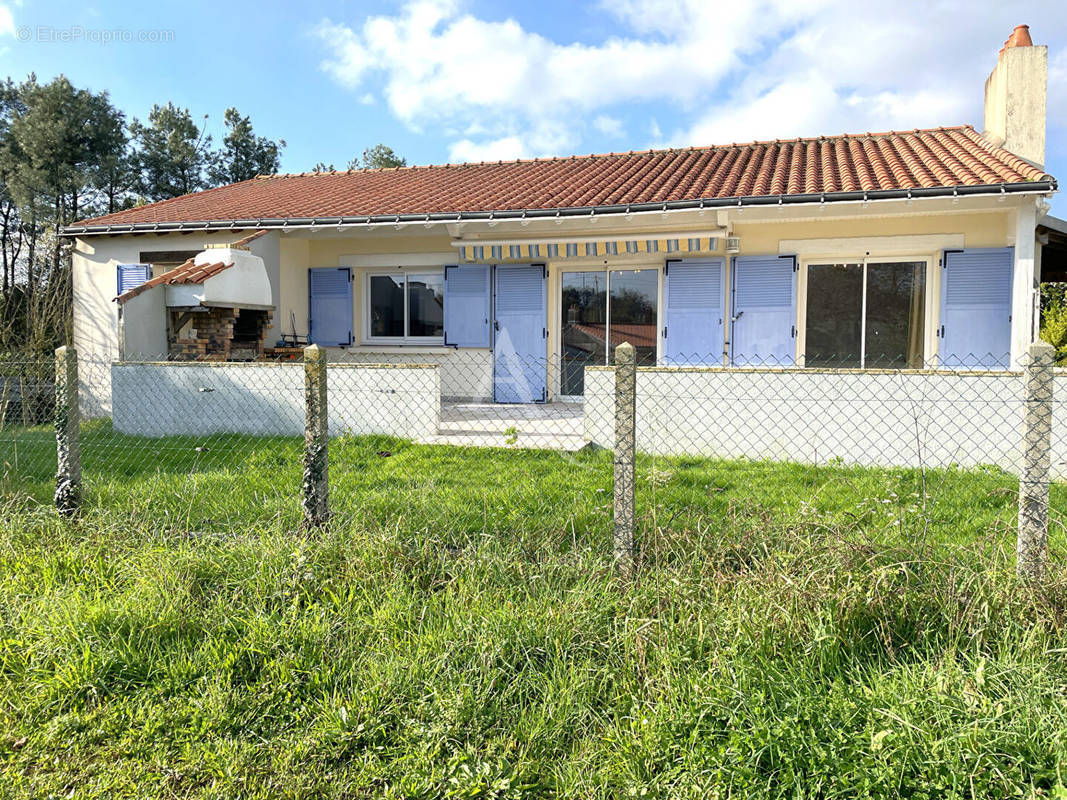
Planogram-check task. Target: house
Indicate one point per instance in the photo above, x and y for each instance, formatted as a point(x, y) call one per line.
point(861, 251)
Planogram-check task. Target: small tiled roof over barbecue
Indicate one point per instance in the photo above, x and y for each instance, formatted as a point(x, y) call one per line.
point(918, 160)
point(189, 272)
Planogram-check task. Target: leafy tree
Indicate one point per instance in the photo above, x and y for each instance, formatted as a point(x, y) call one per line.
point(378, 157)
point(56, 142)
point(322, 167)
point(171, 155)
point(1054, 318)
point(244, 155)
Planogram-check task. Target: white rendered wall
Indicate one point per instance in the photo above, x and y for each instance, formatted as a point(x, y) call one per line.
point(200, 398)
point(466, 374)
point(921, 418)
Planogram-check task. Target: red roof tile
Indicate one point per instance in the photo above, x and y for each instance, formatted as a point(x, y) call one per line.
point(938, 157)
point(636, 334)
point(189, 272)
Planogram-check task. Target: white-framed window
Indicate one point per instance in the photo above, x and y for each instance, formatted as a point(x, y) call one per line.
point(867, 312)
point(405, 306)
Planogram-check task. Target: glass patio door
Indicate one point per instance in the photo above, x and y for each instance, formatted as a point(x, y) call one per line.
point(601, 309)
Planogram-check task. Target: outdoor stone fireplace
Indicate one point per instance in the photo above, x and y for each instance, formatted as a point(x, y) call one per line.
point(217, 334)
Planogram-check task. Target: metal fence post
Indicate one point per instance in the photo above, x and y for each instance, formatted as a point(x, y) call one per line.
point(1032, 544)
point(625, 447)
point(67, 419)
point(315, 484)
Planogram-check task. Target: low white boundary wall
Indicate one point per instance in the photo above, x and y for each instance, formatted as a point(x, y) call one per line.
point(876, 418)
point(198, 398)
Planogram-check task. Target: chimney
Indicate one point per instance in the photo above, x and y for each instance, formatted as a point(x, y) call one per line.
point(1015, 97)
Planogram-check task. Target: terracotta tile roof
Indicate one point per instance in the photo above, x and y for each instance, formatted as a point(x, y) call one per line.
point(919, 159)
point(636, 334)
point(189, 272)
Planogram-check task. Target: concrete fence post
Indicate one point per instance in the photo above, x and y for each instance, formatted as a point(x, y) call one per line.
point(67, 421)
point(625, 449)
point(316, 482)
point(1032, 543)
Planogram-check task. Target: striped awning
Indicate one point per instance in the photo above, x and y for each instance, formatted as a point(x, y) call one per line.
point(532, 251)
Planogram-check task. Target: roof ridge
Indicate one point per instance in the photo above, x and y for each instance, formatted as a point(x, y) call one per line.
point(648, 151)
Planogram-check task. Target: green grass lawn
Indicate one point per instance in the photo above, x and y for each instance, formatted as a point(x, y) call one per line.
point(795, 631)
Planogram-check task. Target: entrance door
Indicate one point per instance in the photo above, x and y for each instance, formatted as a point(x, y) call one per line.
point(764, 311)
point(520, 363)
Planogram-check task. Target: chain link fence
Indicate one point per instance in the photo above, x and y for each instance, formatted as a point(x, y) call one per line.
point(467, 442)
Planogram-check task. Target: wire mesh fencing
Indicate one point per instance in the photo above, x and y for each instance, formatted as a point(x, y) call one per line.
point(477, 442)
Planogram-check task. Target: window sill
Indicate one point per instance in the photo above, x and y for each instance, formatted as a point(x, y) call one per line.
point(400, 347)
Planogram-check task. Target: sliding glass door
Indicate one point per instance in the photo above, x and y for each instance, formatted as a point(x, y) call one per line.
point(866, 315)
point(601, 309)
point(585, 328)
point(633, 312)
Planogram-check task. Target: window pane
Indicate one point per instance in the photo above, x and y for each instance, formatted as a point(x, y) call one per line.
point(895, 311)
point(584, 341)
point(387, 305)
point(426, 305)
point(835, 306)
point(634, 300)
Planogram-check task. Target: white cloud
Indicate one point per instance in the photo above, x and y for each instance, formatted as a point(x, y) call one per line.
point(7, 21)
point(611, 127)
point(504, 149)
point(719, 71)
point(655, 132)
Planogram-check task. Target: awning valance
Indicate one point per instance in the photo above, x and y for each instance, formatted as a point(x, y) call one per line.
point(524, 251)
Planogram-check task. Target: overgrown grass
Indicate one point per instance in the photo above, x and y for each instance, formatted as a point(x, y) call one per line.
point(457, 631)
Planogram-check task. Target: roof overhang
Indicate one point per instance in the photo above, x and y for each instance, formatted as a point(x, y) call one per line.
point(814, 199)
point(1052, 236)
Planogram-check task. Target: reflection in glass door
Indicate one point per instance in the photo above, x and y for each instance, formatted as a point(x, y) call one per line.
point(632, 313)
point(585, 323)
point(601, 310)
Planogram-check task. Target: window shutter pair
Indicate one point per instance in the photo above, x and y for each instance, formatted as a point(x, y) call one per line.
point(763, 311)
point(468, 306)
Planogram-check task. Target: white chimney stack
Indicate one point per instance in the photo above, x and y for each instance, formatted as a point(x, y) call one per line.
point(1015, 97)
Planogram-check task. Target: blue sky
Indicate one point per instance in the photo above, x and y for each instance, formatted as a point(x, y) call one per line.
point(451, 80)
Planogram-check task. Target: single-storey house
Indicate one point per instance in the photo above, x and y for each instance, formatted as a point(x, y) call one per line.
point(896, 250)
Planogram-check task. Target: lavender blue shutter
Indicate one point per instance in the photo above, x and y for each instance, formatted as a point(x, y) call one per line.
point(330, 309)
point(694, 312)
point(519, 358)
point(764, 310)
point(467, 306)
point(130, 276)
point(976, 308)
